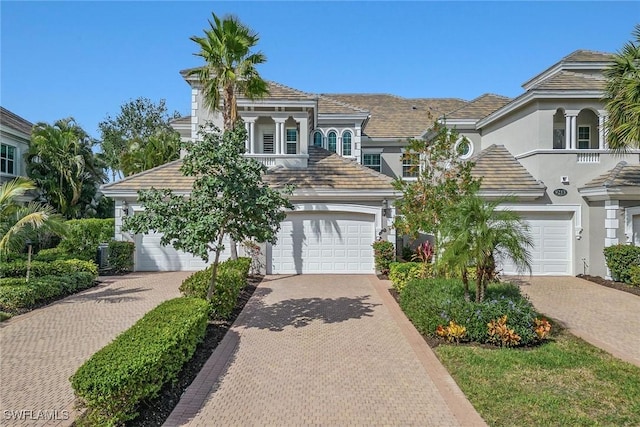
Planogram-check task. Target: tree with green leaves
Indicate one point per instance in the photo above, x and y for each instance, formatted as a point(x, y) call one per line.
point(475, 233)
point(622, 96)
point(228, 196)
point(125, 138)
point(67, 172)
point(442, 180)
point(21, 222)
point(230, 66)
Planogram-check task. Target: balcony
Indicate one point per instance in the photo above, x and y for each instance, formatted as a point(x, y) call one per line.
point(588, 157)
point(289, 161)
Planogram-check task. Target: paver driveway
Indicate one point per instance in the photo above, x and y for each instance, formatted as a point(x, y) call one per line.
point(607, 318)
point(40, 350)
point(323, 350)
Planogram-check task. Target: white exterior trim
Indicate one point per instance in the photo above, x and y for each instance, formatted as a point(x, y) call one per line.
point(576, 210)
point(629, 213)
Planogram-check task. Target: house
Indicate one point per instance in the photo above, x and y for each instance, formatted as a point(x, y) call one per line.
point(545, 148)
point(15, 134)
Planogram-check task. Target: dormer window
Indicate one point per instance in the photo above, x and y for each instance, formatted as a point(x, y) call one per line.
point(346, 143)
point(332, 141)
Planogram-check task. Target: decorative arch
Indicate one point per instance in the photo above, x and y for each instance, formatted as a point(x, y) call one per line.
point(346, 142)
point(332, 140)
point(317, 138)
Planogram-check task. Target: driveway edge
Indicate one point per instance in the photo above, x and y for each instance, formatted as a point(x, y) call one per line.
point(455, 399)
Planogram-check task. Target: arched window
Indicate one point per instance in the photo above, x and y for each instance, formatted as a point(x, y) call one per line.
point(346, 143)
point(317, 139)
point(332, 141)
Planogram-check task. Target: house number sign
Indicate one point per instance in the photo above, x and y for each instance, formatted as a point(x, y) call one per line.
point(560, 192)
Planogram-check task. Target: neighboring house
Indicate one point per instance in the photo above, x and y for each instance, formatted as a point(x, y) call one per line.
point(545, 148)
point(15, 134)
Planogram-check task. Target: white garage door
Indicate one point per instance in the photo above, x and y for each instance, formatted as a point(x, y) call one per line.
point(551, 253)
point(152, 256)
point(310, 242)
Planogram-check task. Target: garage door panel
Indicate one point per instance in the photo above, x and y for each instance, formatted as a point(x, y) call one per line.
point(324, 242)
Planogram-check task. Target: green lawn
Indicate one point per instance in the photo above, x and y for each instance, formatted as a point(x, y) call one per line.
point(565, 382)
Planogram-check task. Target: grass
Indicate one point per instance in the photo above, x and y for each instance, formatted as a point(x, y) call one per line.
point(563, 382)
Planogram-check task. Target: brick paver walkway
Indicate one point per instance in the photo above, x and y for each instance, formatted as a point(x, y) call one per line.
point(323, 350)
point(40, 350)
point(605, 317)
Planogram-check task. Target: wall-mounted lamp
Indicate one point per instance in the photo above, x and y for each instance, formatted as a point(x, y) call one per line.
point(125, 208)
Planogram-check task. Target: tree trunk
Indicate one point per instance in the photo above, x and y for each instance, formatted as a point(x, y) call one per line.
point(465, 280)
point(234, 248)
point(478, 285)
point(214, 271)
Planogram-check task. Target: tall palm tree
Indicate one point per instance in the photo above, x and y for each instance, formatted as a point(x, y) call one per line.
point(230, 66)
point(61, 162)
point(476, 233)
point(21, 222)
point(622, 96)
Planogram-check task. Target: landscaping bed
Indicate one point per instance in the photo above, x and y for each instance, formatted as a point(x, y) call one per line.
point(156, 411)
point(612, 284)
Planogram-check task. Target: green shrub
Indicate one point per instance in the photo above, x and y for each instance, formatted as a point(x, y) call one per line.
point(4, 316)
point(84, 236)
point(53, 254)
point(121, 256)
point(59, 267)
point(431, 303)
point(620, 258)
point(402, 272)
point(634, 275)
point(17, 294)
point(384, 253)
point(231, 279)
point(136, 365)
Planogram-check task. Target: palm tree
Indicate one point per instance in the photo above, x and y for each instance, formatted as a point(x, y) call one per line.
point(159, 149)
point(21, 222)
point(622, 96)
point(230, 66)
point(476, 233)
point(61, 162)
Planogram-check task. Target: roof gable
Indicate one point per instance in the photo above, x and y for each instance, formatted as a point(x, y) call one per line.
point(501, 173)
point(569, 80)
point(15, 122)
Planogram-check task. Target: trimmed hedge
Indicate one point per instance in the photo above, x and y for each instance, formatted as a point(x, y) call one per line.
point(402, 272)
point(84, 236)
point(431, 303)
point(121, 256)
point(136, 365)
point(52, 254)
point(620, 259)
point(59, 267)
point(231, 279)
point(16, 294)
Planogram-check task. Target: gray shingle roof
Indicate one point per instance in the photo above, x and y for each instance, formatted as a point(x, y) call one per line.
point(568, 80)
point(480, 107)
point(501, 172)
point(15, 122)
point(623, 175)
point(583, 55)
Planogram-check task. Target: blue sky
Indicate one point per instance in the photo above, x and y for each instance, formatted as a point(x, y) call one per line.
point(85, 59)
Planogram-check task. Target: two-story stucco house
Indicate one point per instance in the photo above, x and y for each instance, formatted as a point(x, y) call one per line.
point(546, 148)
point(15, 134)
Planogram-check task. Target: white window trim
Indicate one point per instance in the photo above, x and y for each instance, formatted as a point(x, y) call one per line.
point(16, 161)
point(338, 140)
point(471, 147)
point(379, 154)
point(408, 178)
point(351, 148)
point(578, 137)
point(322, 138)
point(287, 142)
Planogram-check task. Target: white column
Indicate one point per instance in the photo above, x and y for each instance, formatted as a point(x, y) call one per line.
point(574, 133)
point(303, 135)
point(567, 132)
point(252, 138)
point(611, 224)
point(601, 132)
point(247, 142)
point(339, 145)
point(278, 137)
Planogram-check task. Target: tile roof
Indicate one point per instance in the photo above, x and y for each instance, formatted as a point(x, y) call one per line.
point(185, 120)
point(480, 107)
point(15, 122)
point(568, 80)
point(327, 105)
point(582, 55)
point(325, 171)
point(501, 172)
point(396, 117)
point(280, 91)
point(623, 175)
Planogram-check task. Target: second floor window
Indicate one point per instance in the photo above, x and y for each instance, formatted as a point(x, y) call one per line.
point(267, 143)
point(332, 141)
point(8, 159)
point(371, 161)
point(410, 165)
point(317, 139)
point(584, 137)
point(292, 141)
point(346, 143)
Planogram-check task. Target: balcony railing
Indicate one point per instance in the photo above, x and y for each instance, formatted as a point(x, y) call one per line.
point(292, 161)
point(588, 157)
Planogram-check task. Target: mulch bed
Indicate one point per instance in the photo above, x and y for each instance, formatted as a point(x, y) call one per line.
point(612, 284)
point(156, 411)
